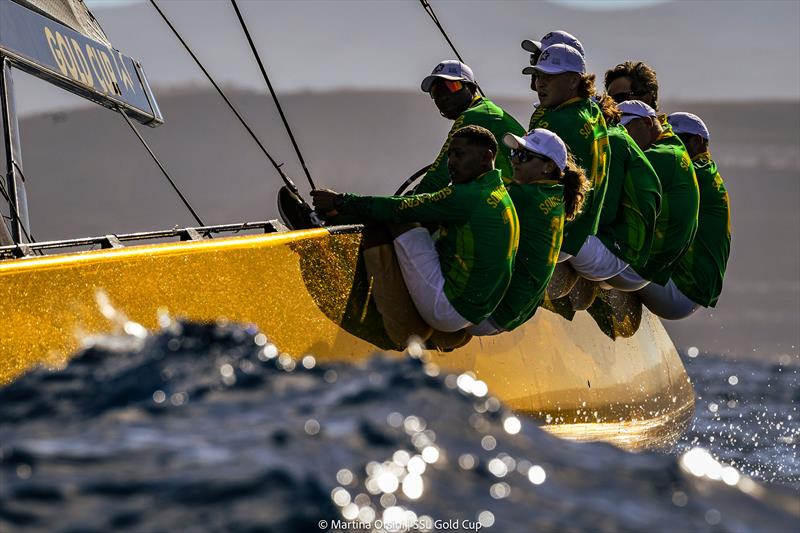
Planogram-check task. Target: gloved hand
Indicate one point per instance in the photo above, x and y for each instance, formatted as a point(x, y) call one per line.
point(327, 202)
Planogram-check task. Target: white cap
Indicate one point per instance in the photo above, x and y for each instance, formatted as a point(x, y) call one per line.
point(688, 123)
point(560, 58)
point(554, 37)
point(540, 141)
point(449, 70)
point(633, 109)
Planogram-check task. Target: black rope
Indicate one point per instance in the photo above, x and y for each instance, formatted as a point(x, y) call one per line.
point(274, 96)
point(13, 207)
point(429, 10)
point(163, 170)
point(289, 183)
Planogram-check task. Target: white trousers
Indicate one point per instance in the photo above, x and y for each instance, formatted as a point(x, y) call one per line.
point(422, 272)
point(595, 262)
point(627, 281)
point(668, 301)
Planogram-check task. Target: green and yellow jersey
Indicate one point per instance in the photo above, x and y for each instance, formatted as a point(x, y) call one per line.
point(479, 235)
point(580, 124)
point(676, 224)
point(632, 202)
point(540, 207)
point(481, 112)
point(700, 271)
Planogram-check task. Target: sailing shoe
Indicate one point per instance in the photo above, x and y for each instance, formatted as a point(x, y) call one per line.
point(448, 341)
point(626, 311)
point(564, 278)
point(583, 294)
point(295, 213)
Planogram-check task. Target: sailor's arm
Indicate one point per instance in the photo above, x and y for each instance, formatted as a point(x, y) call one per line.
point(445, 205)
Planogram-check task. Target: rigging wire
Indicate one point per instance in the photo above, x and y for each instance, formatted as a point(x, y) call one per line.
point(13, 207)
point(429, 10)
point(289, 183)
point(274, 96)
point(163, 170)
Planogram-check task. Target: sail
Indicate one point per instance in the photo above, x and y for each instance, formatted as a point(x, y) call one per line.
point(72, 13)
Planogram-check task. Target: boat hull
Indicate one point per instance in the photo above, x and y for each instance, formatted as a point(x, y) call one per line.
point(303, 289)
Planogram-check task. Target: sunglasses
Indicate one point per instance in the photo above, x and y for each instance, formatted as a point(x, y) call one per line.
point(624, 97)
point(535, 58)
point(523, 156)
point(450, 86)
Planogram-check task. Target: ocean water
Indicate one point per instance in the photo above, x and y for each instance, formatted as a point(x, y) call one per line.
point(210, 428)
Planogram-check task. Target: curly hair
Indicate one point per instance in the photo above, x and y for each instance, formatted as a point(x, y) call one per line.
point(608, 107)
point(576, 186)
point(643, 78)
point(586, 88)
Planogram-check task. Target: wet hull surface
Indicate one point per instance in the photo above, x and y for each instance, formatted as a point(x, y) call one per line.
point(305, 291)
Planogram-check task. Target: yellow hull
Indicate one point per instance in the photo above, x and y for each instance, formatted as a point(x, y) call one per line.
point(297, 288)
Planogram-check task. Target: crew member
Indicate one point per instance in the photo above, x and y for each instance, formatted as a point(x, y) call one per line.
point(697, 279)
point(676, 224)
point(548, 187)
point(535, 48)
point(453, 88)
point(458, 280)
point(628, 217)
point(567, 109)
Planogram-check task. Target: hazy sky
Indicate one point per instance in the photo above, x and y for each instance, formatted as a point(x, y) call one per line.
point(712, 50)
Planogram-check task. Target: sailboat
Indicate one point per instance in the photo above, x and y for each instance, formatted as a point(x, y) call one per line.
point(586, 376)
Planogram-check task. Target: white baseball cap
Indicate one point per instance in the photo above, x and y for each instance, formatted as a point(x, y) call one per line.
point(560, 58)
point(554, 37)
point(688, 123)
point(449, 70)
point(633, 109)
point(540, 141)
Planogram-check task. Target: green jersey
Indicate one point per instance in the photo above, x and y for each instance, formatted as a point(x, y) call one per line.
point(482, 112)
point(540, 207)
point(478, 239)
point(677, 222)
point(632, 202)
point(580, 124)
point(699, 273)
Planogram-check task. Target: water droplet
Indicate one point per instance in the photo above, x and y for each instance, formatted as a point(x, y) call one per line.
point(486, 518)
point(430, 454)
point(537, 475)
point(412, 486)
point(693, 352)
point(733, 380)
point(311, 426)
point(488, 443)
point(679, 498)
point(512, 425)
point(498, 467)
point(344, 476)
point(466, 461)
point(226, 370)
point(713, 517)
point(24, 471)
point(340, 496)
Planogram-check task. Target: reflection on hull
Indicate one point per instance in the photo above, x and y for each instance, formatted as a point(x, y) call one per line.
point(303, 289)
